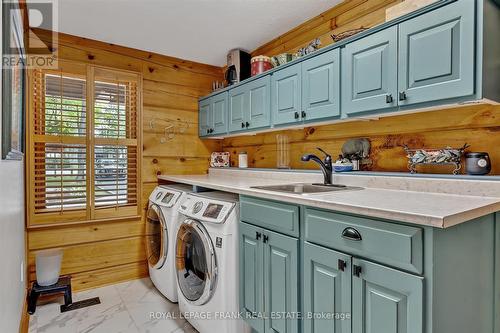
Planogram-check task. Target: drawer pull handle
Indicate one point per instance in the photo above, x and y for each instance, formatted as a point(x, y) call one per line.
point(296, 115)
point(351, 234)
point(265, 239)
point(388, 99)
point(257, 235)
point(402, 95)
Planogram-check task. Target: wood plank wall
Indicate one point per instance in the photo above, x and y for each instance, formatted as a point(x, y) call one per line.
point(477, 125)
point(102, 253)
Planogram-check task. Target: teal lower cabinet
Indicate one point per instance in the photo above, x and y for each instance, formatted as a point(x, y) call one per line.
point(385, 300)
point(281, 282)
point(251, 275)
point(327, 290)
point(268, 280)
point(356, 274)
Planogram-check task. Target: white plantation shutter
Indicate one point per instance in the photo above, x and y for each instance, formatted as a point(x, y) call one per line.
point(84, 148)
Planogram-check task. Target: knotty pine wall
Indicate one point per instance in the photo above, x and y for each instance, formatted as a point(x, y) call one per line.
point(478, 125)
point(97, 254)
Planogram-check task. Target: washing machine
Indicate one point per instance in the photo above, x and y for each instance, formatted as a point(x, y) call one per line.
point(161, 229)
point(207, 262)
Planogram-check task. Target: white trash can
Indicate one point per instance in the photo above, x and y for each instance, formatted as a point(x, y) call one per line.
point(48, 266)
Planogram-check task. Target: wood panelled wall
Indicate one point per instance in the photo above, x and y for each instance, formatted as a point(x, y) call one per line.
point(477, 125)
point(96, 254)
point(350, 14)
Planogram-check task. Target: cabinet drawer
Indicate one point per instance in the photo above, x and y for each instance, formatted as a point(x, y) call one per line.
point(389, 243)
point(272, 215)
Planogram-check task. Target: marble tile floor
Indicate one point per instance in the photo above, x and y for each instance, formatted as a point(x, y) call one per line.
point(124, 308)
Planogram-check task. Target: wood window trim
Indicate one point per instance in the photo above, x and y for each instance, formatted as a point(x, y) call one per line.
point(88, 214)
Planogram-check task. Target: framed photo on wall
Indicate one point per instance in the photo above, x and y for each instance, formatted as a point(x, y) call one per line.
point(13, 82)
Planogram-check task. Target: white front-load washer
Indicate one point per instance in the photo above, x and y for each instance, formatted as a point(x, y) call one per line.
point(207, 262)
point(161, 229)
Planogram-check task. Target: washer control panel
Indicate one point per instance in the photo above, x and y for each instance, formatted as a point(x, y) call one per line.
point(206, 209)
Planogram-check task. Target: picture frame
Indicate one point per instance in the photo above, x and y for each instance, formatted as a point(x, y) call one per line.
point(13, 83)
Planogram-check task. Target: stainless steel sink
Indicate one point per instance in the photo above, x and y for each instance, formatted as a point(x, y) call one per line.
point(306, 188)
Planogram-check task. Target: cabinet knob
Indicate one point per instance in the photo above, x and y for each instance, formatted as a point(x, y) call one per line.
point(265, 239)
point(388, 98)
point(247, 124)
point(341, 265)
point(303, 114)
point(242, 125)
point(350, 233)
point(257, 235)
point(402, 95)
point(356, 270)
point(297, 115)
point(208, 131)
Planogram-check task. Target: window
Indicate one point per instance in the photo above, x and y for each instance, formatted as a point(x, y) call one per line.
point(83, 144)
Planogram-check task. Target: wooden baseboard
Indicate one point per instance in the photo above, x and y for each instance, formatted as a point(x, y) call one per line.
point(25, 317)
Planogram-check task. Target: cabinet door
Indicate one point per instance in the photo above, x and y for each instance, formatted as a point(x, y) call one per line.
point(286, 95)
point(385, 300)
point(369, 73)
point(280, 282)
point(219, 111)
point(251, 275)
point(436, 54)
point(204, 117)
point(327, 289)
point(321, 86)
point(259, 102)
point(238, 106)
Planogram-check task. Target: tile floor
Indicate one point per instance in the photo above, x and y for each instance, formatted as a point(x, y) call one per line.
point(124, 308)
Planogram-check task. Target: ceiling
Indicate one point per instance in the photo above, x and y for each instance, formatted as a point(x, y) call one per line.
point(198, 30)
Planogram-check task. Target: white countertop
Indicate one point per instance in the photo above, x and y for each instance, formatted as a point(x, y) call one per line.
point(440, 210)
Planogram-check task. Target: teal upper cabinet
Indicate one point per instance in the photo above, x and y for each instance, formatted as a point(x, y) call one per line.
point(204, 117)
point(259, 96)
point(327, 289)
point(219, 111)
point(369, 73)
point(443, 53)
point(321, 86)
point(212, 115)
point(237, 109)
point(436, 54)
point(286, 95)
point(249, 105)
point(385, 300)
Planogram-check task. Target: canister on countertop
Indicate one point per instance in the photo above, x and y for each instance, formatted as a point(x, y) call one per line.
point(477, 163)
point(243, 160)
point(260, 64)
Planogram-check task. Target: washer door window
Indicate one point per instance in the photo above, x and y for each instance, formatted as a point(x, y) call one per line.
point(195, 262)
point(156, 237)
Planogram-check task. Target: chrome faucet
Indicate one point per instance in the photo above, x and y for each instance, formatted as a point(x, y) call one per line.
point(326, 165)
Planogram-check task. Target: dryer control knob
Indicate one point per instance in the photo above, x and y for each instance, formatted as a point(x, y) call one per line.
point(197, 207)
